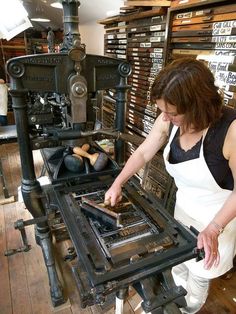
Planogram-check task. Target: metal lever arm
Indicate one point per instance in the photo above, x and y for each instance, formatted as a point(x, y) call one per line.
point(200, 252)
point(20, 225)
point(69, 134)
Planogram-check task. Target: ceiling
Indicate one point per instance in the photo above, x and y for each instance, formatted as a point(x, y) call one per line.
point(89, 11)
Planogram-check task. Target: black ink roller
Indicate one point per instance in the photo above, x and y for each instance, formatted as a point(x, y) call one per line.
point(74, 163)
point(97, 160)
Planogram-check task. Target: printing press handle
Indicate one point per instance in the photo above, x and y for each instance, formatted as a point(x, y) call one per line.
point(200, 252)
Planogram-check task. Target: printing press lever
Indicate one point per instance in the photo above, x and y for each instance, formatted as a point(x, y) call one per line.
point(200, 252)
point(20, 225)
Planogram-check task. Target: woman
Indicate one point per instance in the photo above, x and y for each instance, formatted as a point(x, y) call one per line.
point(201, 156)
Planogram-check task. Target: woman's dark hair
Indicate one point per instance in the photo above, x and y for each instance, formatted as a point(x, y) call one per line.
point(189, 85)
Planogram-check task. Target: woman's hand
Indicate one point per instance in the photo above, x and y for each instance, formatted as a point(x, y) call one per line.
point(208, 240)
point(113, 195)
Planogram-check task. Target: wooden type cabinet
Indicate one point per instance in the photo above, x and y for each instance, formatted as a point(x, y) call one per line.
point(145, 35)
point(145, 54)
point(204, 30)
point(207, 31)
point(115, 40)
point(108, 112)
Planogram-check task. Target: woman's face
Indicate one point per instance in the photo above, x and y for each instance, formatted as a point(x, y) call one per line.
point(170, 113)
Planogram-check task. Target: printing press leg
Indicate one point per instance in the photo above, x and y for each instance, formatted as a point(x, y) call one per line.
point(45, 242)
point(121, 295)
point(160, 294)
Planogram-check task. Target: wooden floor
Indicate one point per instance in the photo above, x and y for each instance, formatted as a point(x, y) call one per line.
point(23, 279)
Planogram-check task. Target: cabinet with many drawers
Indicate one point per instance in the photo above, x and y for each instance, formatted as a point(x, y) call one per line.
point(205, 30)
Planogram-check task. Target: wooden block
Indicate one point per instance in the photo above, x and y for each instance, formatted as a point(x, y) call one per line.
point(62, 308)
point(135, 301)
point(8, 200)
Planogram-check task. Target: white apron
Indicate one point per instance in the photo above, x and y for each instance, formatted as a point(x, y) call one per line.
point(198, 199)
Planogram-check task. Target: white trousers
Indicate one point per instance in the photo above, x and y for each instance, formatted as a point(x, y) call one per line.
point(196, 287)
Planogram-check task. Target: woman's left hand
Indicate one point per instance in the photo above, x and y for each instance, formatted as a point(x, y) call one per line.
point(208, 240)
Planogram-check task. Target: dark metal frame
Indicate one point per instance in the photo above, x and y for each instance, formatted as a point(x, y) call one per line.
point(59, 73)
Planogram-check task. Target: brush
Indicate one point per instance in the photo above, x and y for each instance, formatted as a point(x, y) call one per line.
point(97, 160)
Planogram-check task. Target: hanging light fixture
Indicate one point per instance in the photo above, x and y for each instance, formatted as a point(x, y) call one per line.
point(39, 14)
point(13, 19)
point(56, 4)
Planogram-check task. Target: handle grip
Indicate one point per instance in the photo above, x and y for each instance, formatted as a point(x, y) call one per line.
point(85, 147)
point(92, 157)
point(79, 151)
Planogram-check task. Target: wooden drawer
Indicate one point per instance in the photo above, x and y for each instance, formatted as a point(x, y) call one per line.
point(206, 19)
point(209, 39)
point(205, 12)
point(192, 27)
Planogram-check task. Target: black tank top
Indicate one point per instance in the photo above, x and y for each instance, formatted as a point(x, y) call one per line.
point(212, 148)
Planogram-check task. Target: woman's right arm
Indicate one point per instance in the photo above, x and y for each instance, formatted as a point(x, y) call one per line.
point(153, 142)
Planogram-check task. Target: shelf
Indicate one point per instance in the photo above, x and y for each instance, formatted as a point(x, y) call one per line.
point(135, 16)
point(147, 3)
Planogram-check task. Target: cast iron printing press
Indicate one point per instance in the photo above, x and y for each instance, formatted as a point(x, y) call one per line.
point(134, 244)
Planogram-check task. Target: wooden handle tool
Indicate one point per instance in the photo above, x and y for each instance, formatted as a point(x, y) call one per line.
point(103, 209)
point(85, 147)
point(75, 162)
point(97, 160)
point(99, 207)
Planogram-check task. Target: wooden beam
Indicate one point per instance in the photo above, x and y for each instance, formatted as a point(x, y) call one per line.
point(153, 12)
point(8, 200)
point(135, 16)
point(148, 3)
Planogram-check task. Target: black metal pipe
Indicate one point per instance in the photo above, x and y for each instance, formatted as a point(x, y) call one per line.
point(121, 107)
point(30, 186)
point(120, 123)
point(71, 24)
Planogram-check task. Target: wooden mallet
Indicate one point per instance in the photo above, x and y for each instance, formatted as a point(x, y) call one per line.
point(97, 160)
